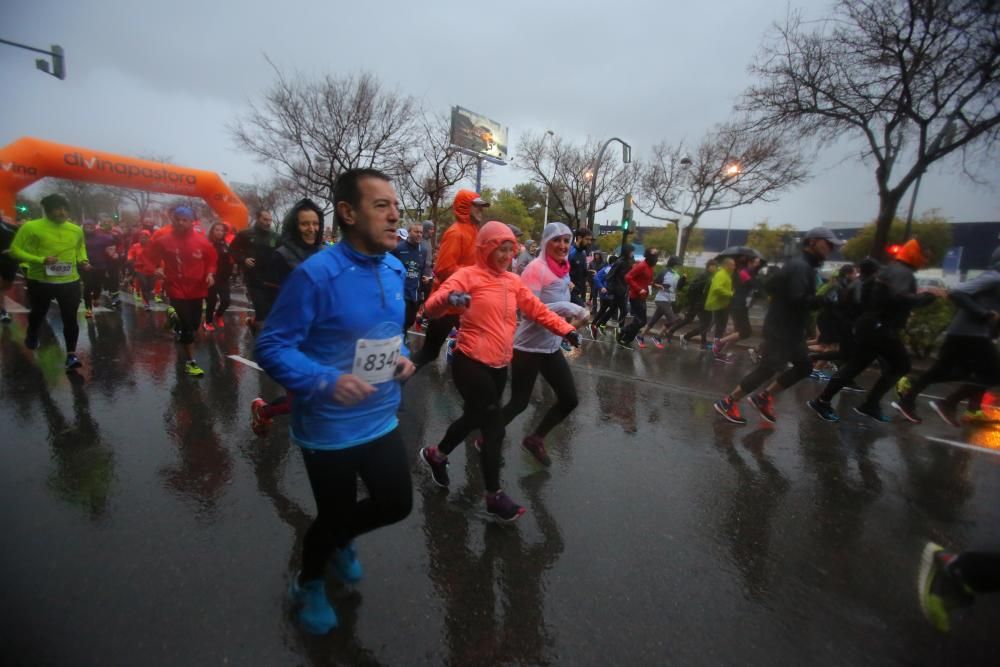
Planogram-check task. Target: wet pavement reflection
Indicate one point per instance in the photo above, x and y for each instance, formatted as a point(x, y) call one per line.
point(146, 524)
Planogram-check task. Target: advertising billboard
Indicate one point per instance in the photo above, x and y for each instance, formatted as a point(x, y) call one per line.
point(478, 134)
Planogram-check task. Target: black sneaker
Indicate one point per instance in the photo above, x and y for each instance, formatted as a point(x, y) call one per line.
point(625, 346)
point(872, 412)
point(438, 465)
point(908, 411)
point(31, 341)
point(502, 507)
point(824, 410)
point(72, 362)
point(855, 387)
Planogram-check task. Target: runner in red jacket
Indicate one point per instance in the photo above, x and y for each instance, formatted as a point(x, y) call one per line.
point(186, 262)
point(638, 279)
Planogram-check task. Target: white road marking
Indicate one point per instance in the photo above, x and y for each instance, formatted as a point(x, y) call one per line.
point(245, 361)
point(963, 445)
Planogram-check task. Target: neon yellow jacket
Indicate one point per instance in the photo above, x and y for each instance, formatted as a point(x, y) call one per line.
point(720, 292)
point(37, 239)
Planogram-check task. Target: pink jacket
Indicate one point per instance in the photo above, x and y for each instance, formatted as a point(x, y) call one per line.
point(488, 324)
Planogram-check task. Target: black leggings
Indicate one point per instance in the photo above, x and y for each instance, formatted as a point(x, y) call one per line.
point(979, 570)
point(67, 295)
point(704, 324)
point(962, 358)
point(741, 320)
point(638, 309)
point(93, 283)
point(615, 306)
point(481, 387)
point(872, 343)
point(774, 360)
point(217, 293)
point(188, 318)
point(524, 371)
point(340, 517)
point(437, 332)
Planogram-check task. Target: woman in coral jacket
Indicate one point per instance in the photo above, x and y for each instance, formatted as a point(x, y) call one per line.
point(144, 269)
point(487, 297)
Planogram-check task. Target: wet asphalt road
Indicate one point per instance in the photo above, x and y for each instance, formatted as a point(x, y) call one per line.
point(145, 524)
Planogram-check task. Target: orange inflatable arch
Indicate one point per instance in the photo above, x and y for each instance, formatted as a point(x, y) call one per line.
point(28, 160)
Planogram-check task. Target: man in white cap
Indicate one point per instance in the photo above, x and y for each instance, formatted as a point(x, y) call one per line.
point(793, 296)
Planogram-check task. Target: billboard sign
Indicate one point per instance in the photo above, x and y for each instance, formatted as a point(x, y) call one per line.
point(478, 134)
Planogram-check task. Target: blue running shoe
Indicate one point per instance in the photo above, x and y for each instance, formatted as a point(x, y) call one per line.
point(72, 362)
point(824, 410)
point(346, 565)
point(314, 611)
point(450, 352)
point(872, 412)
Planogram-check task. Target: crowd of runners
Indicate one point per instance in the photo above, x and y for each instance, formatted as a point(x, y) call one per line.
point(334, 327)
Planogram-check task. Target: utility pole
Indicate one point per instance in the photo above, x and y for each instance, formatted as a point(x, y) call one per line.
point(626, 158)
point(626, 225)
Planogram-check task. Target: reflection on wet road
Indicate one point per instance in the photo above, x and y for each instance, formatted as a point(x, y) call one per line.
point(146, 524)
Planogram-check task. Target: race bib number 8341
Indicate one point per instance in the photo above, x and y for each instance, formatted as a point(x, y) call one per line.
point(375, 360)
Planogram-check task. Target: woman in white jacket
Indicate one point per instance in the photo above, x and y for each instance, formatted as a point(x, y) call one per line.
point(536, 349)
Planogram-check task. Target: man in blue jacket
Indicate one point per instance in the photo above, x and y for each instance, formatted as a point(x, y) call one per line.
point(333, 339)
point(410, 251)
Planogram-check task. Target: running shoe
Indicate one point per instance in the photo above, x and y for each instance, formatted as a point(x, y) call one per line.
point(536, 447)
point(219, 322)
point(4, 317)
point(729, 409)
point(453, 334)
point(259, 424)
point(171, 322)
point(346, 565)
point(723, 357)
point(157, 298)
point(138, 297)
point(764, 403)
point(754, 355)
point(855, 387)
point(946, 413)
point(314, 610)
point(116, 303)
point(208, 326)
point(939, 590)
point(502, 507)
point(89, 314)
point(658, 342)
point(147, 307)
point(642, 342)
point(438, 464)
point(594, 331)
point(72, 362)
point(31, 341)
point(625, 346)
point(193, 369)
point(871, 411)
point(903, 386)
point(824, 410)
point(819, 375)
point(908, 410)
point(450, 352)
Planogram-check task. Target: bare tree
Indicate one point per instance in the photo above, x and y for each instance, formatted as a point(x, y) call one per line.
point(732, 166)
point(274, 195)
point(914, 80)
point(431, 168)
point(311, 131)
point(564, 169)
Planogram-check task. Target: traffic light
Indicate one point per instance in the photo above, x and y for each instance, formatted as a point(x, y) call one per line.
point(22, 208)
point(627, 214)
point(58, 62)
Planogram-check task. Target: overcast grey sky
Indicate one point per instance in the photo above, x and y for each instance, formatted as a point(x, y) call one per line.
point(166, 77)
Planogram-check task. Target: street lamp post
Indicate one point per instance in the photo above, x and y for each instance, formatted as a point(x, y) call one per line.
point(686, 166)
point(732, 170)
point(626, 158)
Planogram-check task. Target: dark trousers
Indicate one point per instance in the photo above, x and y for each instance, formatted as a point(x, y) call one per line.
point(340, 517)
point(962, 358)
point(188, 318)
point(262, 299)
point(704, 325)
point(481, 387)
point(411, 314)
point(437, 332)
point(67, 296)
point(638, 309)
point(146, 283)
point(113, 279)
point(525, 368)
point(93, 283)
point(775, 356)
point(741, 321)
point(720, 318)
point(978, 570)
point(873, 342)
point(217, 301)
point(615, 306)
point(688, 317)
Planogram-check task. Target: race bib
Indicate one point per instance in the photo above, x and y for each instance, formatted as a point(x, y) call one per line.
point(59, 269)
point(375, 360)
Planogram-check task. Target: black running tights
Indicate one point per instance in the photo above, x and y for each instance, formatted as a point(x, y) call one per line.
point(524, 371)
point(67, 296)
point(481, 387)
point(340, 517)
